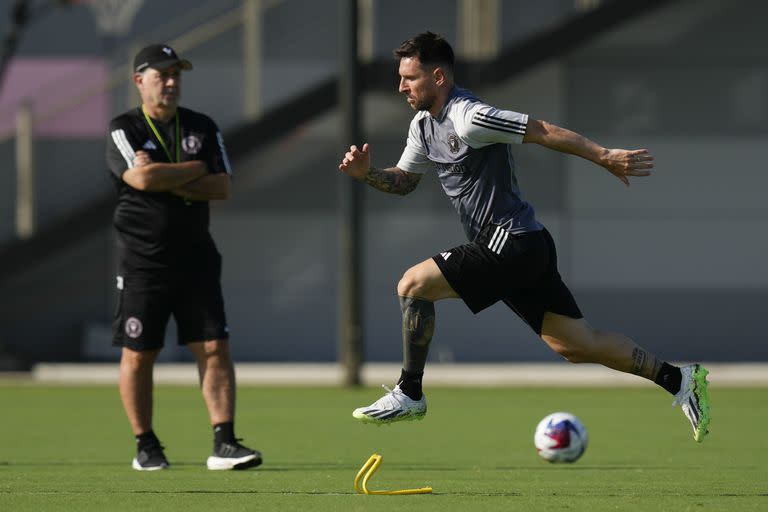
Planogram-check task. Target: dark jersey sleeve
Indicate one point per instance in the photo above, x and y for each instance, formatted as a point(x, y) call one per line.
point(120, 149)
point(218, 160)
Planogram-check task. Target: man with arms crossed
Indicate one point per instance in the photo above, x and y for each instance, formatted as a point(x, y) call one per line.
point(168, 162)
point(511, 256)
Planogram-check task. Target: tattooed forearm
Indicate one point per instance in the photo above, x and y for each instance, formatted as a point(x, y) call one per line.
point(645, 364)
point(393, 180)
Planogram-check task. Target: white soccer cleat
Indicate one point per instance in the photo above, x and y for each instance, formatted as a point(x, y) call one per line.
point(394, 406)
point(693, 399)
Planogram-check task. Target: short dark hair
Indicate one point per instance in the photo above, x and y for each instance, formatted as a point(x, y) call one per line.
point(431, 50)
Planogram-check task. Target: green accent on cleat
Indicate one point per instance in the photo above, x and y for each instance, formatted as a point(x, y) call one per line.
point(699, 388)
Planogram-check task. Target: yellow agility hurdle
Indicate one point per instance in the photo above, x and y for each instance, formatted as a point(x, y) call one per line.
point(367, 471)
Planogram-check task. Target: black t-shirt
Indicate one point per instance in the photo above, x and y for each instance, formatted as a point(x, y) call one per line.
point(158, 230)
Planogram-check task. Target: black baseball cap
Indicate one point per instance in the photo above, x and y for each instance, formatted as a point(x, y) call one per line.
point(158, 56)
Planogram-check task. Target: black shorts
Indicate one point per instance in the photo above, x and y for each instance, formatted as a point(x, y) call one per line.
point(520, 270)
point(146, 301)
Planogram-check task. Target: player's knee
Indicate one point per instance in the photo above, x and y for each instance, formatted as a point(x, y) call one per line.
point(571, 352)
point(410, 285)
point(212, 349)
point(138, 359)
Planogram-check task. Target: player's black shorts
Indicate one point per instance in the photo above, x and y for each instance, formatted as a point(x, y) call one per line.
point(146, 301)
point(520, 270)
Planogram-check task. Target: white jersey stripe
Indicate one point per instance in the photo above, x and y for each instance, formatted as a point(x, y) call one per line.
point(495, 247)
point(500, 121)
point(121, 141)
point(224, 155)
point(509, 129)
point(495, 237)
point(498, 240)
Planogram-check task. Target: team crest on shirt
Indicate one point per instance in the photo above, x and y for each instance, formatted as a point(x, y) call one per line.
point(453, 142)
point(191, 144)
point(133, 327)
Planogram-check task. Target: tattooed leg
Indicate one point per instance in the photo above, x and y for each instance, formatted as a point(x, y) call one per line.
point(645, 364)
point(578, 342)
point(418, 327)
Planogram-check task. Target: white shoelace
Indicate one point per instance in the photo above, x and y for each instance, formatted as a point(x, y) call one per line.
point(390, 400)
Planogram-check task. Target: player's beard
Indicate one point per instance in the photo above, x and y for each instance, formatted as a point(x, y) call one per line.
point(424, 103)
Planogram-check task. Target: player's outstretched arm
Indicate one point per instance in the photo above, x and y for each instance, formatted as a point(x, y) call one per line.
point(357, 164)
point(622, 163)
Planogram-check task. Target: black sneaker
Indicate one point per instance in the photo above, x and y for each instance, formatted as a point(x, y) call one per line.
point(233, 456)
point(150, 458)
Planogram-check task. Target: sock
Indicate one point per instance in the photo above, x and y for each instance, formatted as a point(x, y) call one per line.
point(224, 433)
point(669, 378)
point(410, 384)
point(146, 439)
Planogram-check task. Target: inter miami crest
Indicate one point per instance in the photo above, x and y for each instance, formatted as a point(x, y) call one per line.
point(133, 327)
point(191, 144)
point(453, 143)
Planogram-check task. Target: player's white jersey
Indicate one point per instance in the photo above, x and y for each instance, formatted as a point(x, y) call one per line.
point(468, 144)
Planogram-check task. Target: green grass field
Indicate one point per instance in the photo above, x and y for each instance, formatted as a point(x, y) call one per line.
point(69, 448)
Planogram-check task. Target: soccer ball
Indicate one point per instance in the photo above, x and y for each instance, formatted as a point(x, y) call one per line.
point(560, 437)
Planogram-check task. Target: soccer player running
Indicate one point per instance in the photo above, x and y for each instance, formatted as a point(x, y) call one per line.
point(168, 162)
point(510, 257)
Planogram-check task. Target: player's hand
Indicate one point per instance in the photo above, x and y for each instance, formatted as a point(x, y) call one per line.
point(141, 159)
point(356, 162)
point(623, 163)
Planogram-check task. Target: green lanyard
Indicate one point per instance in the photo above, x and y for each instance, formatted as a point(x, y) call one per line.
point(162, 142)
point(160, 139)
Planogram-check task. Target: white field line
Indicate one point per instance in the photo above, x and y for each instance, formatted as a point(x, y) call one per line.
point(437, 374)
